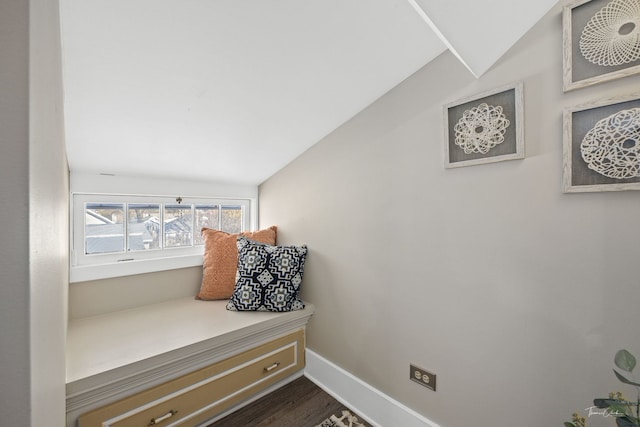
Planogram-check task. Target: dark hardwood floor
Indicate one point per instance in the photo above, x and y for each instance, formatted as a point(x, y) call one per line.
point(300, 403)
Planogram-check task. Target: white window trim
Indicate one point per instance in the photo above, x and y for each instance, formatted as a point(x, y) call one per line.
point(92, 267)
point(83, 273)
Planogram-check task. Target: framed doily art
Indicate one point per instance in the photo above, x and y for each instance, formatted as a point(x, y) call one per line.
point(484, 128)
point(601, 41)
point(601, 148)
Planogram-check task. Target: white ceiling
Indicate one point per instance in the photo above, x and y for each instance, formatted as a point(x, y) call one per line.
point(228, 90)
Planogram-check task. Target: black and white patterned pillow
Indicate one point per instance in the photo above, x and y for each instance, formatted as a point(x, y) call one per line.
point(268, 277)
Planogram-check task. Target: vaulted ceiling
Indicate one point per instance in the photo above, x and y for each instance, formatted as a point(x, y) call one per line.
point(228, 90)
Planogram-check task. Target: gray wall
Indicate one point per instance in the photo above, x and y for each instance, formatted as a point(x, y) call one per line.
point(48, 216)
point(102, 296)
point(516, 295)
point(14, 188)
point(34, 188)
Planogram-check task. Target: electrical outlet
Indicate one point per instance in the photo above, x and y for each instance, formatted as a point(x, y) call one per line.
point(423, 377)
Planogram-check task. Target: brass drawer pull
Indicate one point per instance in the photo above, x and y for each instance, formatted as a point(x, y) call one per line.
point(272, 367)
point(166, 416)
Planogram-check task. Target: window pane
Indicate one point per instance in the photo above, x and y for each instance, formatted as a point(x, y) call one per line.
point(206, 216)
point(231, 219)
point(178, 223)
point(103, 228)
point(143, 227)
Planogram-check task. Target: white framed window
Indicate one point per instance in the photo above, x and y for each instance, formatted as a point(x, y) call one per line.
point(117, 235)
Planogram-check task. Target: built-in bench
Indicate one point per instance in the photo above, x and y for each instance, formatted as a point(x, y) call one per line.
point(139, 362)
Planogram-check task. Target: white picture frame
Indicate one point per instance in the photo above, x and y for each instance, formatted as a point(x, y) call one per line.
point(485, 128)
point(601, 145)
point(588, 39)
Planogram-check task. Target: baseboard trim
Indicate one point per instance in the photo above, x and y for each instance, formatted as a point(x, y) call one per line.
point(375, 407)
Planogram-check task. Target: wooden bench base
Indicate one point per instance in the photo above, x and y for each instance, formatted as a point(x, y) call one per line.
point(136, 358)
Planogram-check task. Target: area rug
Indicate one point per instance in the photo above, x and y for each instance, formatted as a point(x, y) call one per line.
point(346, 420)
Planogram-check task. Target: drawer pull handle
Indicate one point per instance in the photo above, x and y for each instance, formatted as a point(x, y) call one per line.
point(272, 367)
point(166, 416)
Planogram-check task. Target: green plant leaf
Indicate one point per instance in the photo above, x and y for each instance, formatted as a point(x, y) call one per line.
point(619, 409)
point(625, 422)
point(568, 424)
point(625, 380)
point(604, 403)
point(625, 360)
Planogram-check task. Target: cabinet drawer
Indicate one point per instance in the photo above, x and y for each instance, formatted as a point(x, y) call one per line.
point(202, 394)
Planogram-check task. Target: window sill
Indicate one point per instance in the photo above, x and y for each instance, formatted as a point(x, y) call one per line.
point(85, 273)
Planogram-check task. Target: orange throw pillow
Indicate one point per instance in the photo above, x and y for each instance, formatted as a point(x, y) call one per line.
point(221, 260)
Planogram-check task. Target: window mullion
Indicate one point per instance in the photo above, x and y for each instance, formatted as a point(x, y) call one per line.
point(193, 224)
point(162, 226)
point(125, 220)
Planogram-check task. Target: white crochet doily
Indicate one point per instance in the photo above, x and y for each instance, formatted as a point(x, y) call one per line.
point(481, 128)
point(612, 146)
point(612, 36)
